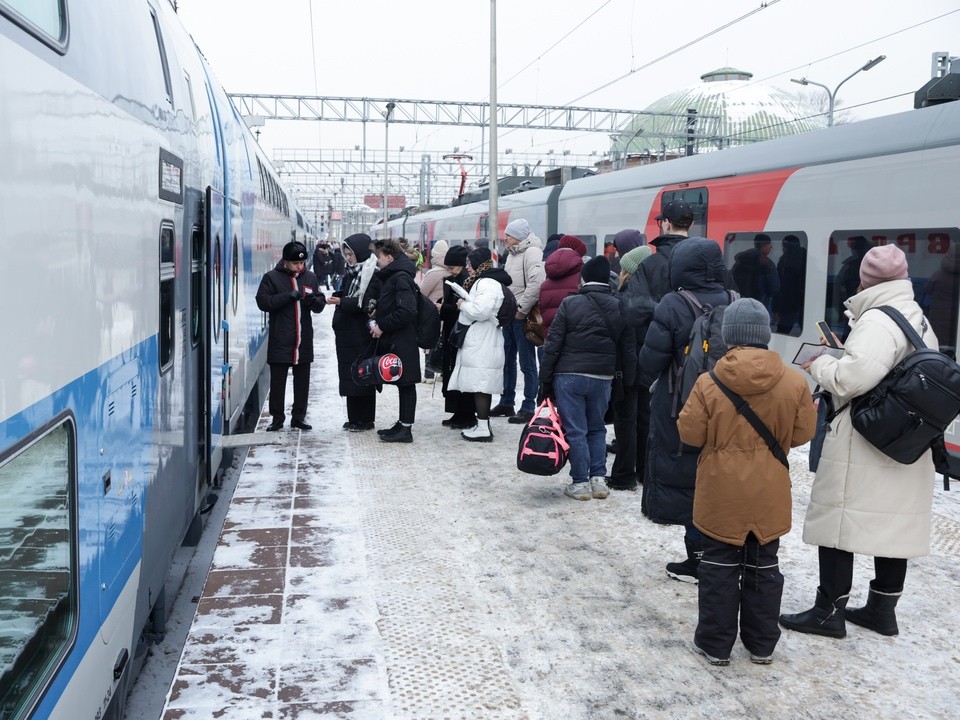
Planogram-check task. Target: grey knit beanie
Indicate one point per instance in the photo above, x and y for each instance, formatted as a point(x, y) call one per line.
point(746, 322)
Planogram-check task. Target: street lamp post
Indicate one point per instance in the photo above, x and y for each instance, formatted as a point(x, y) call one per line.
point(833, 95)
point(493, 215)
point(386, 165)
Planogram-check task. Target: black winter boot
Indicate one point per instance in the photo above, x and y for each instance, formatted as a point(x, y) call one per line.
point(879, 614)
point(402, 435)
point(824, 618)
point(687, 570)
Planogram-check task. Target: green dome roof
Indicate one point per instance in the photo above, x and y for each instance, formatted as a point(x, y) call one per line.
point(730, 111)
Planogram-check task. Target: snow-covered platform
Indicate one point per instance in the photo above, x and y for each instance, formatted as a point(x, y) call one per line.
point(358, 579)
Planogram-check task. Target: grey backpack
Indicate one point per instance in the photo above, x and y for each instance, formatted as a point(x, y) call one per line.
point(704, 347)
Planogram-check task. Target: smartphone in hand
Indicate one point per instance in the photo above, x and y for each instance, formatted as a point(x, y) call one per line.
point(827, 334)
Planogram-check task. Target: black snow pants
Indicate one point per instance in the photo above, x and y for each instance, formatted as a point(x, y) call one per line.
point(739, 580)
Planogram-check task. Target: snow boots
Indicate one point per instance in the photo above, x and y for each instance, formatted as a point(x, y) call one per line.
point(879, 613)
point(480, 432)
point(686, 571)
point(824, 618)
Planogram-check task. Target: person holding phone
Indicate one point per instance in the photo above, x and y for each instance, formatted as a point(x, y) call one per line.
point(863, 501)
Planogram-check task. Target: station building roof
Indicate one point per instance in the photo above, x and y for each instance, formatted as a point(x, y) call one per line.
point(747, 112)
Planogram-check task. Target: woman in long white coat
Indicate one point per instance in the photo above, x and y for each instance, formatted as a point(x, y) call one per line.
point(479, 367)
point(863, 501)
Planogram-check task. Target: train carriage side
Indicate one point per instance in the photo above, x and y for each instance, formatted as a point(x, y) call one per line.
point(129, 238)
point(820, 198)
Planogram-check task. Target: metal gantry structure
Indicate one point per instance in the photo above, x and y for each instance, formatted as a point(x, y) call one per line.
point(335, 182)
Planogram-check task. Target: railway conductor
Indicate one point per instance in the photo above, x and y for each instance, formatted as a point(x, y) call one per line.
point(290, 293)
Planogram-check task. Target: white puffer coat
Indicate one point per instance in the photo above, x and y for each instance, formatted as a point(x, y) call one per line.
point(862, 501)
point(479, 365)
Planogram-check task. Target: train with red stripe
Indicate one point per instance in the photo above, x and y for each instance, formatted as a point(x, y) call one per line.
point(824, 196)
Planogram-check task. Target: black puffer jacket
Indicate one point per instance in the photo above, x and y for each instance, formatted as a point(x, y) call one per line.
point(640, 295)
point(352, 333)
point(696, 265)
point(397, 316)
point(291, 326)
point(579, 341)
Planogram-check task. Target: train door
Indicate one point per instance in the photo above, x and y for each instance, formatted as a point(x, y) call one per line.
point(215, 390)
point(199, 348)
point(233, 360)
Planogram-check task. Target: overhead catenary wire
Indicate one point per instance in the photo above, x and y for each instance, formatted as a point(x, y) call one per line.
point(794, 69)
point(763, 6)
point(843, 52)
point(540, 56)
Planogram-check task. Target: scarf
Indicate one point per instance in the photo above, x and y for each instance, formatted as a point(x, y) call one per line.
point(358, 277)
point(484, 266)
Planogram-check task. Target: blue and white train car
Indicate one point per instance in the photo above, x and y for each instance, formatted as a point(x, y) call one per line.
point(137, 215)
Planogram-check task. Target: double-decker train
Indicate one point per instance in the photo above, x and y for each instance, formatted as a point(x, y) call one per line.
point(137, 215)
point(822, 198)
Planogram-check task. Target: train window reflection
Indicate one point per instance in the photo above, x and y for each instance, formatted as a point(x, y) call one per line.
point(933, 258)
point(48, 16)
point(38, 589)
point(771, 267)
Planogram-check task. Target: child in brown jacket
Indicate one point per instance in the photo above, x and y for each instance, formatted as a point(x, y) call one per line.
point(742, 502)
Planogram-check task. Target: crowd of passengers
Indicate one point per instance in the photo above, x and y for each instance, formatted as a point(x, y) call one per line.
point(614, 326)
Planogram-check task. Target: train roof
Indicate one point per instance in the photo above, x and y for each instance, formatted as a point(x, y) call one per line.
point(923, 129)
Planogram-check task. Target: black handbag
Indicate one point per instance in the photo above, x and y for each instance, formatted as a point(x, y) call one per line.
point(457, 335)
point(825, 415)
point(434, 359)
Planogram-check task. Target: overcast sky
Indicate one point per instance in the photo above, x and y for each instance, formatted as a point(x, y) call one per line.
point(440, 50)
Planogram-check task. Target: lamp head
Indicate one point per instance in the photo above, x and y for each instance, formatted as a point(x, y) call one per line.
point(875, 61)
point(801, 81)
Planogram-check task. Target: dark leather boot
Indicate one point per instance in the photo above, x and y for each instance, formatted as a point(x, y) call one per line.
point(687, 571)
point(402, 435)
point(824, 618)
point(879, 614)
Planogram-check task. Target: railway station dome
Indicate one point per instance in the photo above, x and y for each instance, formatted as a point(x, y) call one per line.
point(747, 112)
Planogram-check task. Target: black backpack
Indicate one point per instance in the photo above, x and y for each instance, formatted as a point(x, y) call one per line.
point(908, 411)
point(428, 322)
point(507, 312)
point(704, 347)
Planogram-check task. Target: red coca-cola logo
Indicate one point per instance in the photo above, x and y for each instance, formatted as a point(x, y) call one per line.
point(390, 367)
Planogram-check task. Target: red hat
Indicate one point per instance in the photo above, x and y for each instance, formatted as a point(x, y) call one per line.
point(882, 264)
point(574, 243)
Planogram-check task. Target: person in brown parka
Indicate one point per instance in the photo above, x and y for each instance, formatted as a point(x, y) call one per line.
point(742, 503)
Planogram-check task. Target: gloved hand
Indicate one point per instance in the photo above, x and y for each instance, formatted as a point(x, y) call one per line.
point(295, 296)
point(544, 391)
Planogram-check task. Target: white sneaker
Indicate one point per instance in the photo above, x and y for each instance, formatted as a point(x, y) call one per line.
point(599, 487)
point(579, 491)
point(480, 432)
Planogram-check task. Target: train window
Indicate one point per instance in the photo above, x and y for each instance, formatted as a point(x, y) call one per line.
point(163, 58)
point(46, 19)
point(235, 275)
point(38, 566)
point(164, 65)
point(933, 258)
point(196, 284)
point(167, 305)
point(771, 267)
point(193, 104)
point(166, 244)
point(697, 199)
